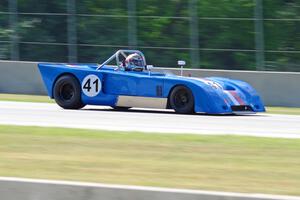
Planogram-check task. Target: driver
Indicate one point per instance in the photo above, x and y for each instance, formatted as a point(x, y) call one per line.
point(134, 62)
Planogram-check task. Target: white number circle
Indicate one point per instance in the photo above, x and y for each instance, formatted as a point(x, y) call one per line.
point(91, 85)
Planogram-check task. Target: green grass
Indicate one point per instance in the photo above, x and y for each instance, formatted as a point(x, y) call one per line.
point(45, 99)
point(25, 98)
point(283, 110)
point(223, 163)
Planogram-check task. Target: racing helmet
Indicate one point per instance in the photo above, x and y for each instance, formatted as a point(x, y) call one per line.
point(134, 62)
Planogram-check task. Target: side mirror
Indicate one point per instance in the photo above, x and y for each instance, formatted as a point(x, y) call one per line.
point(149, 67)
point(181, 63)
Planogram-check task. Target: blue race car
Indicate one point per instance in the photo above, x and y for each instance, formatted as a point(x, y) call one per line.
point(132, 83)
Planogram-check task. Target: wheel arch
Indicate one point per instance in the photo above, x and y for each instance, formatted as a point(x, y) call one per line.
point(173, 87)
point(204, 97)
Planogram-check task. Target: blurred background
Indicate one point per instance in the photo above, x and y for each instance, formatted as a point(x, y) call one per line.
point(211, 34)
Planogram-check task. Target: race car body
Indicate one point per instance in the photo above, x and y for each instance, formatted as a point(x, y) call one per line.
point(76, 85)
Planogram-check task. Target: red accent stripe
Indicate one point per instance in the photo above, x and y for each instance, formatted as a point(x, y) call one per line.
point(237, 97)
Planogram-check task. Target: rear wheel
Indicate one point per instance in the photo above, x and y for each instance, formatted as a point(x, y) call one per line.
point(181, 100)
point(67, 92)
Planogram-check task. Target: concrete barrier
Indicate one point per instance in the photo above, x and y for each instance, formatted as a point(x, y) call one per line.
point(20, 78)
point(276, 88)
point(30, 189)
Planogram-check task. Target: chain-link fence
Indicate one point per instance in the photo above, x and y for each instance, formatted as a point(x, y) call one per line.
point(222, 34)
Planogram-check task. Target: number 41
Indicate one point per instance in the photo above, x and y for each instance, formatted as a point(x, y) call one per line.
point(88, 87)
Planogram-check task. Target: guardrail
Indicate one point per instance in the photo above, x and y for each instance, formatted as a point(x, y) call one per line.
point(276, 88)
point(32, 189)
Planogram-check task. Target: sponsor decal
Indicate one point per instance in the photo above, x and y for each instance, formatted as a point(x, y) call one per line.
point(208, 82)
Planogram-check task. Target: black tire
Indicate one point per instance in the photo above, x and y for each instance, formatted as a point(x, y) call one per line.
point(121, 108)
point(67, 92)
point(181, 100)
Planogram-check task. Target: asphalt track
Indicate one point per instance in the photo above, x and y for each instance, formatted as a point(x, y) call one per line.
point(141, 120)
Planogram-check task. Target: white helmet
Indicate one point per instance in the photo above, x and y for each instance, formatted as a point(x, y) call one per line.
point(134, 62)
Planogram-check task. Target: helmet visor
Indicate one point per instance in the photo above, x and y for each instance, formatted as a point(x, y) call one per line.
point(138, 62)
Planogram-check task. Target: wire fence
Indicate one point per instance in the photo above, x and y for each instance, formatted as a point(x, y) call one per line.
point(190, 28)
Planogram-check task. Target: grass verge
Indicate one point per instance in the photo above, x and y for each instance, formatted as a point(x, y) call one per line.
point(45, 99)
point(25, 98)
point(223, 163)
point(283, 110)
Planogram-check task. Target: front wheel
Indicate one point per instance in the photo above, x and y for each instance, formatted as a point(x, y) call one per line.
point(67, 92)
point(181, 100)
point(120, 108)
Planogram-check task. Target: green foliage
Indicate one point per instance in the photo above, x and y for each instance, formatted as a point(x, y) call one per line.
point(4, 36)
point(282, 35)
point(110, 31)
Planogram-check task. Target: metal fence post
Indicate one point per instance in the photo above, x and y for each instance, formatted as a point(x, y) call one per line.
point(72, 31)
point(132, 24)
point(13, 23)
point(194, 34)
point(259, 35)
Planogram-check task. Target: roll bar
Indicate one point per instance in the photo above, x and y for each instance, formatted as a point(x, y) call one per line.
point(117, 57)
